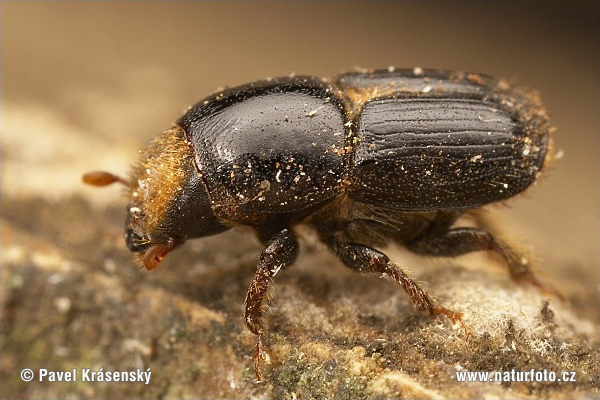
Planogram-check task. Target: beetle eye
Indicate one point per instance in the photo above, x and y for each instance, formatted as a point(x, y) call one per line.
point(136, 242)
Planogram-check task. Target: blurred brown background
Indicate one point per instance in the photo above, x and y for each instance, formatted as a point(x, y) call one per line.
point(85, 85)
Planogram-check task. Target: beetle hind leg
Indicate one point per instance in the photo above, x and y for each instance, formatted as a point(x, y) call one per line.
point(279, 253)
point(459, 241)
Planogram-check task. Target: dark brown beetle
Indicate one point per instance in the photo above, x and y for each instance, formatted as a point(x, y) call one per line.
point(365, 159)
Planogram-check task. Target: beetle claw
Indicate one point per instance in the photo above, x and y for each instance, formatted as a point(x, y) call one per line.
point(454, 317)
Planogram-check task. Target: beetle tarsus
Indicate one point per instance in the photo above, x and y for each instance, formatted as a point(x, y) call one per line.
point(259, 355)
point(520, 268)
point(522, 272)
point(454, 317)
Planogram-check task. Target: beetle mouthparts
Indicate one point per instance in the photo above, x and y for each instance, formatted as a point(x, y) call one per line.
point(101, 178)
point(156, 253)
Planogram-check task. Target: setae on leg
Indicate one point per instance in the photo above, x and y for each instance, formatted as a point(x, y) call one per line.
point(279, 253)
point(362, 258)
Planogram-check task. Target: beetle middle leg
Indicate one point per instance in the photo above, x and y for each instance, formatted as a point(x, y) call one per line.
point(440, 240)
point(363, 258)
point(279, 253)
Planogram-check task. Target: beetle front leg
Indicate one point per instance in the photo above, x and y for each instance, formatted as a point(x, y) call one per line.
point(279, 253)
point(459, 241)
point(362, 258)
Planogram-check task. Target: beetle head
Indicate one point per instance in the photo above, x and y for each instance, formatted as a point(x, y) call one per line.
point(168, 200)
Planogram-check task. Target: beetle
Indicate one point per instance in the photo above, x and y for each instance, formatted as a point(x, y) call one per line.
point(365, 159)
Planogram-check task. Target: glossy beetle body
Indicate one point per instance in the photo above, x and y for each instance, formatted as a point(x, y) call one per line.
point(429, 142)
point(366, 158)
point(456, 143)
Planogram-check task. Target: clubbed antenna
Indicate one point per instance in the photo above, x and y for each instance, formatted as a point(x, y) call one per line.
point(102, 178)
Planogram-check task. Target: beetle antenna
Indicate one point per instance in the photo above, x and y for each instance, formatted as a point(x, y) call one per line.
point(101, 178)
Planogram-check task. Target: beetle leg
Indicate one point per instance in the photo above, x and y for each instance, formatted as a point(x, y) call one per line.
point(362, 258)
point(279, 253)
point(459, 241)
